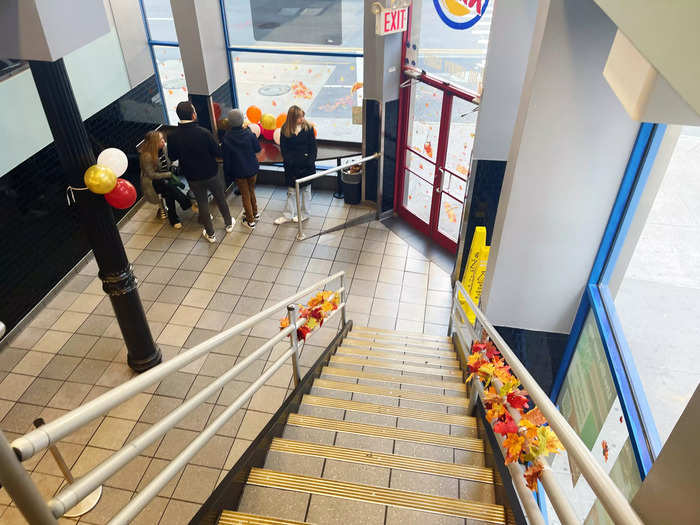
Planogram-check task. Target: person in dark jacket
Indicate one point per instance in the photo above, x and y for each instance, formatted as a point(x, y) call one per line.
point(240, 163)
point(196, 149)
point(298, 145)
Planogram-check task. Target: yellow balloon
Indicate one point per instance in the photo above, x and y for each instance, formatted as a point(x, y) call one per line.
point(268, 121)
point(100, 179)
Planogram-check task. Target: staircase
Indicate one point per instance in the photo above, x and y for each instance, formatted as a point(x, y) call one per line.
point(382, 438)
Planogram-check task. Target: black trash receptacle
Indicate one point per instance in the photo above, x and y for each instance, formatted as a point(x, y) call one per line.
point(352, 187)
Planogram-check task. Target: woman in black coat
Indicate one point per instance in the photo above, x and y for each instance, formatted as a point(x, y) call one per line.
point(298, 144)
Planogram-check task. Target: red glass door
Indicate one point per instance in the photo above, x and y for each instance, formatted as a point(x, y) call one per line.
point(436, 138)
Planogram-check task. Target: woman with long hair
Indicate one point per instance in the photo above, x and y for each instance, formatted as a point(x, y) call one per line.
point(298, 145)
point(157, 177)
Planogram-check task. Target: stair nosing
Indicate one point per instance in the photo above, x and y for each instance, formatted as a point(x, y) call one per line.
point(438, 345)
point(408, 359)
point(436, 354)
point(441, 372)
point(378, 495)
point(388, 378)
point(254, 519)
point(400, 333)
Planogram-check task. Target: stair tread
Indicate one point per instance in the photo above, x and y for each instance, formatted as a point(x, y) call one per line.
point(359, 361)
point(408, 413)
point(378, 495)
point(408, 343)
point(364, 343)
point(232, 517)
point(394, 461)
point(398, 357)
point(389, 378)
point(392, 392)
point(398, 434)
point(402, 333)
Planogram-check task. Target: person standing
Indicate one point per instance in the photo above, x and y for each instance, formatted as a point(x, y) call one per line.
point(298, 145)
point(157, 178)
point(196, 149)
point(240, 163)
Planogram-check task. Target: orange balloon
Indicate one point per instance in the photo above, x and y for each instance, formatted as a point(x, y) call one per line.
point(281, 119)
point(254, 113)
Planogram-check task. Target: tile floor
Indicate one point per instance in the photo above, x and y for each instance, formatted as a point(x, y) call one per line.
point(72, 351)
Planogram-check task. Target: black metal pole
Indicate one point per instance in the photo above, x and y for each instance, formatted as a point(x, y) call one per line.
point(76, 155)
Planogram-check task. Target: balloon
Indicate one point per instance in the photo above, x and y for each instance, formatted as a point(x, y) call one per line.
point(267, 121)
point(122, 196)
point(115, 159)
point(224, 124)
point(281, 119)
point(254, 113)
point(255, 129)
point(268, 133)
point(217, 110)
point(315, 132)
point(276, 135)
point(100, 179)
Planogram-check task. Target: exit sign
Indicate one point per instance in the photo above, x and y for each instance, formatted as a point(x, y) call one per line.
point(392, 21)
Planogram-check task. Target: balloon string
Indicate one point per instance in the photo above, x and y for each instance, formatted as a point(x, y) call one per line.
point(70, 196)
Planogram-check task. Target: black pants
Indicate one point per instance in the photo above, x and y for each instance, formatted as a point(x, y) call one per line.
point(171, 194)
point(216, 186)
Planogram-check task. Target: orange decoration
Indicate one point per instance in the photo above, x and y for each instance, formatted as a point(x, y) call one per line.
point(281, 119)
point(254, 113)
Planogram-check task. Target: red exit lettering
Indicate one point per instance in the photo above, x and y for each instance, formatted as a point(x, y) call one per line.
point(394, 21)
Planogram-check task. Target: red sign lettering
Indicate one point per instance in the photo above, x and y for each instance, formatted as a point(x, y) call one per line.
point(478, 5)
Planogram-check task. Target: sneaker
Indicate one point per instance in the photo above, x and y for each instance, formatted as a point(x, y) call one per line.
point(282, 220)
point(256, 217)
point(229, 228)
point(250, 224)
point(177, 225)
point(211, 239)
point(296, 219)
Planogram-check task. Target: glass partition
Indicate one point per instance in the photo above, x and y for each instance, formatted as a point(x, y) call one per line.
point(159, 17)
point(172, 78)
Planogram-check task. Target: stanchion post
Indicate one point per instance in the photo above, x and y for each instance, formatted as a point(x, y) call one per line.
point(292, 315)
point(300, 235)
point(343, 295)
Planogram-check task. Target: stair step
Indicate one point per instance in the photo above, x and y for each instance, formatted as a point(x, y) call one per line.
point(363, 343)
point(398, 434)
point(408, 343)
point(400, 333)
point(231, 517)
point(389, 378)
point(389, 392)
point(359, 361)
point(408, 413)
point(398, 357)
point(378, 495)
point(394, 461)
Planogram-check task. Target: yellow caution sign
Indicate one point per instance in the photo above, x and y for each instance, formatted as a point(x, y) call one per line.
point(473, 265)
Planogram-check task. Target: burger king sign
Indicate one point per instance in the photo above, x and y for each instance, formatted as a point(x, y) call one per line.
point(460, 14)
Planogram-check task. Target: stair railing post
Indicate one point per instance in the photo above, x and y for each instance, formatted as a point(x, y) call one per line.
point(293, 315)
point(343, 295)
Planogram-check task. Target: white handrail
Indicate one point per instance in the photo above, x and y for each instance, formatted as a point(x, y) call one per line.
point(37, 440)
point(309, 178)
point(610, 496)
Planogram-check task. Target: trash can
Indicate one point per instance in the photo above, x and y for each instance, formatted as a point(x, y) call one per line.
point(352, 186)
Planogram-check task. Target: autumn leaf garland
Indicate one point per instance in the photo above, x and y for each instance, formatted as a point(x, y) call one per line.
point(319, 308)
point(526, 440)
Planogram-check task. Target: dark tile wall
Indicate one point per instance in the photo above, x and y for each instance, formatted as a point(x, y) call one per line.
point(373, 130)
point(40, 237)
point(223, 97)
point(391, 130)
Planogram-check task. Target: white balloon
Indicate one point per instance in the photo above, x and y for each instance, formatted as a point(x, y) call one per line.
point(115, 159)
point(255, 129)
point(276, 135)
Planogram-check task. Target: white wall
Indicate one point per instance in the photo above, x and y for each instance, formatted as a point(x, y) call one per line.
point(512, 25)
point(570, 147)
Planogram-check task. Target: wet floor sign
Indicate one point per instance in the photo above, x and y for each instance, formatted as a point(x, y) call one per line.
point(475, 272)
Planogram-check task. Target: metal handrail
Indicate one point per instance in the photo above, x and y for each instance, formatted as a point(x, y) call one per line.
point(37, 440)
point(309, 178)
point(610, 496)
point(28, 445)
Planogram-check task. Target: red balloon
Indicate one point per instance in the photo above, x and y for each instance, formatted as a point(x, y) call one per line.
point(122, 196)
point(217, 110)
point(268, 133)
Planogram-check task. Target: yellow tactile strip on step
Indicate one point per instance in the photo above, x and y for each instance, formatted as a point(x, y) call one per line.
point(444, 372)
point(389, 378)
point(378, 495)
point(388, 347)
point(399, 333)
point(408, 413)
point(398, 434)
point(408, 343)
point(397, 357)
point(392, 392)
point(230, 517)
point(365, 457)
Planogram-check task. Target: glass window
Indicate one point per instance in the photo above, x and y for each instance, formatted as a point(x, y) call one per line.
point(455, 55)
point(332, 25)
point(323, 86)
point(159, 17)
point(588, 400)
point(172, 78)
point(659, 297)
